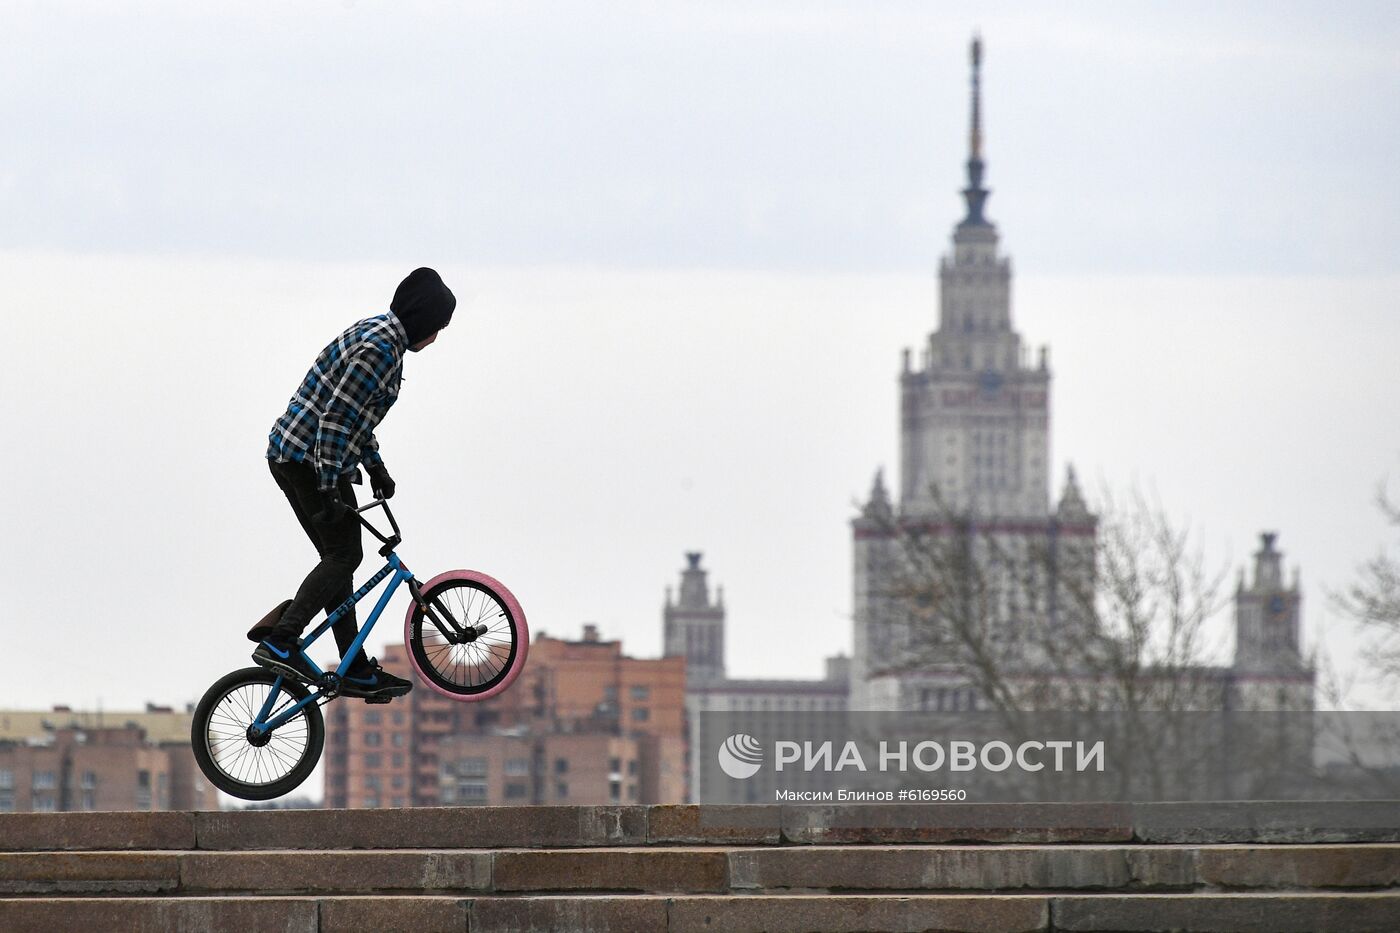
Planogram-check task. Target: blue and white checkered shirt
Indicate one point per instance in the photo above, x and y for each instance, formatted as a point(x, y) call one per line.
point(330, 421)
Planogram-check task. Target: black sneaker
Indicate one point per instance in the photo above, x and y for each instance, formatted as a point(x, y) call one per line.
point(372, 682)
point(284, 659)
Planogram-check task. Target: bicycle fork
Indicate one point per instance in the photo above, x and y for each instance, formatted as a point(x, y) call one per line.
point(435, 612)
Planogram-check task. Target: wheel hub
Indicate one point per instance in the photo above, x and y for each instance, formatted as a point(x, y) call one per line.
point(258, 737)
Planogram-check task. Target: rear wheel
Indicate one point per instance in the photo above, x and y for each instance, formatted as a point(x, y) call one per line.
point(492, 654)
point(256, 767)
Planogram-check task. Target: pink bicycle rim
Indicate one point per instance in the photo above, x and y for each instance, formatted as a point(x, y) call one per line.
point(522, 634)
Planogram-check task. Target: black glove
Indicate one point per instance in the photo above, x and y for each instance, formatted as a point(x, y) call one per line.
point(332, 509)
point(380, 482)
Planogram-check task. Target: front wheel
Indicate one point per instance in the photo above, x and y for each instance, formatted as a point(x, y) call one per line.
point(248, 766)
point(492, 654)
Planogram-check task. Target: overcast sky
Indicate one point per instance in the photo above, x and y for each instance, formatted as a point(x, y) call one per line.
point(689, 242)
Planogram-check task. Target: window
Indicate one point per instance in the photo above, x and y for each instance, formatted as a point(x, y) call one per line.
point(561, 790)
point(516, 766)
point(614, 764)
point(632, 792)
point(641, 692)
point(561, 766)
point(517, 791)
point(371, 717)
point(471, 767)
point(42, 803)
point(471, 792)
point(89, 800)
point(400, 740)
point(45, 780)
point(398, 717)
point(632, 766)
point(7, 780)
point(372, 800)
point(397, 760)
point(397, 782)
point(372, 782)
point(614, 790)
point(372, 760)
point(398, 802)
point(372, 739)
point(143, 790)
point(89, 780)
point(640, 714)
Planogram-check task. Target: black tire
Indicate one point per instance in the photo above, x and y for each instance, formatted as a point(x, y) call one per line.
point(235, 765)
point(479, 669)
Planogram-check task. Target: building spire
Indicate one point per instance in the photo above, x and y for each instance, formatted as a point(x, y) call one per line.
point(975, 194)
point(976, 147)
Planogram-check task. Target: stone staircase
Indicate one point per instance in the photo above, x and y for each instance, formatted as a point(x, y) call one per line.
point(1267, 867)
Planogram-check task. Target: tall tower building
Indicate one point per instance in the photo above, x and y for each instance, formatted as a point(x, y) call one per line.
point(1267, 614)
point(975, 414)
point(974, 448)
point(693, 625)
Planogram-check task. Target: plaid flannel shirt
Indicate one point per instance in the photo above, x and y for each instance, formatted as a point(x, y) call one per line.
point(330, 421)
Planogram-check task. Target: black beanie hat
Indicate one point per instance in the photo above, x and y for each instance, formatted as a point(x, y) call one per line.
point(423, 303)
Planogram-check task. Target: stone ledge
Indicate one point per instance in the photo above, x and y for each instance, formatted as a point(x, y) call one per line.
point(88, 872)
point(383, 914)
point(1356, 865)
point(422, 828)
point(871, 913)
point(1226, 913)
point(1267, 822)
point(1021, 913)
point(881, 824)
point(718, 824)
point(313, 872)
point(961, 868)
point(651, 871)
point(1065, 868)
point(630, 914)
point(159, 915)
point(45, 832)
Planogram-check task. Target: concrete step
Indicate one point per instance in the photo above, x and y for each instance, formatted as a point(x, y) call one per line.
point(695, 870)
point(1024, 913)
point(559, 827)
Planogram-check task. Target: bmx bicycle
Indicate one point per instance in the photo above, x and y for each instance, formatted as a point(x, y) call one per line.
point(257, 734)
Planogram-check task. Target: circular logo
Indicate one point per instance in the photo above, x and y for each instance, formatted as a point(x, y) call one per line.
point(741, 756)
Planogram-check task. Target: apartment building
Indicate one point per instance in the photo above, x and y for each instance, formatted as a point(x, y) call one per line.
point(66, 760)
point(584, 724)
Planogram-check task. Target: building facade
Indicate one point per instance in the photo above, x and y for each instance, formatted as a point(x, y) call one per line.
point(693, 633)
point(990, 549)
point(578, 708)
point(67, 760)
point(974, 462)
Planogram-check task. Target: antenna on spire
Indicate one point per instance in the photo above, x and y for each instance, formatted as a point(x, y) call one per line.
point(976, 148)
point(974, 193)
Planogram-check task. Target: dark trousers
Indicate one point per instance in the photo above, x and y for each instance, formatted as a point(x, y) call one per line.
point(331, 581)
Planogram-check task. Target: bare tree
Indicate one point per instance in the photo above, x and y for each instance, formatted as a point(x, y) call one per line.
point(1109, 620)
point(1116, 620)
point(1373, 600)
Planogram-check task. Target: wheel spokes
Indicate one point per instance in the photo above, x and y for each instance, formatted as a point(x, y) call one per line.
point(226, 737)
point(476, 665)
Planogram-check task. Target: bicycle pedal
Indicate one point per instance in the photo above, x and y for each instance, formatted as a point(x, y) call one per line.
point(378, 700)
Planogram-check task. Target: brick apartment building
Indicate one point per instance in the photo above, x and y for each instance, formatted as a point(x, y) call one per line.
point(65, 760)
point(584, 724)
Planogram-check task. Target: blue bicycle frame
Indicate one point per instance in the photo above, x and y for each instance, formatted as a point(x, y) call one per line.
point(401, 574)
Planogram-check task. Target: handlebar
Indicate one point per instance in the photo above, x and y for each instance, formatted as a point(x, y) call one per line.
point(390, 542)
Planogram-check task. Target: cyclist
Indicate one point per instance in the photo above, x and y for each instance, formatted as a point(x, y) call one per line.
point(315, 450)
